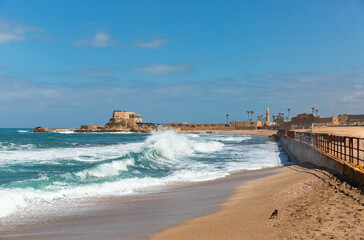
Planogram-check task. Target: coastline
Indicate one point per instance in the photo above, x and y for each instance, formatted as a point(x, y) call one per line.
point(132, 217)
point(311, 204)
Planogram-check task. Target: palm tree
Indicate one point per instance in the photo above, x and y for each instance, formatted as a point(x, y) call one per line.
point(227, 118)
point(252, 112)
point(248, 114)
point(289, 113)
point(313, 110)
point(281, 116)
point(316, 112)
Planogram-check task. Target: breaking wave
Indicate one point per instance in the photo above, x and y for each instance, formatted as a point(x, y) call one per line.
point(141, 164)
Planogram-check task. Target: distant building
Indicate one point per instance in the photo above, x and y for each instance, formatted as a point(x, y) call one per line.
point(124, 119)
point(356, 119)
point(348, 119)
point(91, 127)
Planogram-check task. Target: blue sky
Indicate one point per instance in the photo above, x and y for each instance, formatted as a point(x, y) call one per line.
point(67, 63)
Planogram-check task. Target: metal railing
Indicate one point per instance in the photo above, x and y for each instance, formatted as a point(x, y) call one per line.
point(348, 149)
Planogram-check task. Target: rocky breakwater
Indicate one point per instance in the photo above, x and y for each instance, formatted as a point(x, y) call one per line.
point(39, 129)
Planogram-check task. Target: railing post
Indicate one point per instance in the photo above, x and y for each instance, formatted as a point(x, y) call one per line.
point(344, 148)
point(341, 147)
point(357, 150)
point(351, 149)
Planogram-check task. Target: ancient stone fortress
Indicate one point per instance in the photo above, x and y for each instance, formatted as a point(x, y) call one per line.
point(123, 120)
point(120, 121)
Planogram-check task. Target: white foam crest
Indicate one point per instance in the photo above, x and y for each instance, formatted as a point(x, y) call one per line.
point(6, 146)
point(52, 155)
point(107, 169)
point(256, 157)
point(170, 145)
point(66, 132)
point(227, 137)
point(22, 131)
point(234, 139)
point(193, 135)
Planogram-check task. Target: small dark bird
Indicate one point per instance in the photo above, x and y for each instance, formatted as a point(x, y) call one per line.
point(274, 214)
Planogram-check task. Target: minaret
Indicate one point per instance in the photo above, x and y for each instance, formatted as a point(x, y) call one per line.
point(267, 115)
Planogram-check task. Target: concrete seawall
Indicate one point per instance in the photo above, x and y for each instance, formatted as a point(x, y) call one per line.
point(304, 152)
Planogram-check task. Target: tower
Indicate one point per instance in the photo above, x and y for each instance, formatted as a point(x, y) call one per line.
point(267, 115)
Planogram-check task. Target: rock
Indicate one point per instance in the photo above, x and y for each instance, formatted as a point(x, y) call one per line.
point(273, 137)
point(39, 129)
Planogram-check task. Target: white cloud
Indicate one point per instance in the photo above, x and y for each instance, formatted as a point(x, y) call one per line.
point(161, 69)
point(154, 44)
point(100, 40)
point(14, 32)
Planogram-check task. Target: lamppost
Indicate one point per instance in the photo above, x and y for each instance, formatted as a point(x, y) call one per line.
point(227, 118)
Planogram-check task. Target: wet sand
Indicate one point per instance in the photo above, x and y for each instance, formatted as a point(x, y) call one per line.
point(134, 217)
point(311, 202)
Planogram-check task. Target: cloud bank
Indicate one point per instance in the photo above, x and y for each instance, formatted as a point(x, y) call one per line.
point(15, 32)
point(154, 44)
point(99, 40)
point(162, 69)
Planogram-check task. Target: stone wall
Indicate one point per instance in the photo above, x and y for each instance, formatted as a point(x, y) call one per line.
point(306, 153)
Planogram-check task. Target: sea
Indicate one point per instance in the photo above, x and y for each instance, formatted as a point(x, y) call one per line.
point(39, 169)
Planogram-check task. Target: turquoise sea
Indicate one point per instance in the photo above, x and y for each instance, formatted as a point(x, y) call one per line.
point(38, 168)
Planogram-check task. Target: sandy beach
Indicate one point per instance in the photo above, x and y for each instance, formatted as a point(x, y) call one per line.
point(311, 204)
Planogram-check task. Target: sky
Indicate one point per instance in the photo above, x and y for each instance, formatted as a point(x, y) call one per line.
point(66, 63)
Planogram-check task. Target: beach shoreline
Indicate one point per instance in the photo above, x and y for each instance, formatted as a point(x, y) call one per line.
point(311, 203)
point(133, 217)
